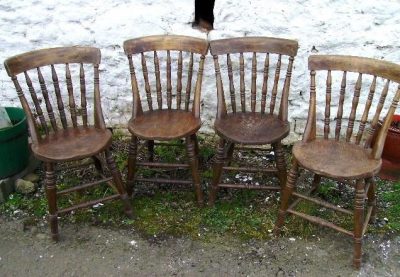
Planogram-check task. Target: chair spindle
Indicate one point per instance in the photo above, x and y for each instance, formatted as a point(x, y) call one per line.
point(364, 117)
point(328, 104)
point(169, 85)
point(354, 105)
point(374, 122)
point(57, 91)
point(83, 95)
point(158, 81)
point(36, 103)
point(71, 99)
point(340, 107)
point(45, 94)
point(242, 84)
point(275, 87)
point(189, 83)
point(253, 82)
point(179, 82)
point(231, 84)
point(265, 84)
point(146, 82)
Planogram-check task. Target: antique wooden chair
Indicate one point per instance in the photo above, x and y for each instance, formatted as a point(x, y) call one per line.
point(339, 154)
point(174, 116)
point(250, 123)
point(55, 138)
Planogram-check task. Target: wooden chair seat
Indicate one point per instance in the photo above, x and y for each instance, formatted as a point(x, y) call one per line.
point(164, 124)
point(251, 128)
point(336, 159)
point(72, 144)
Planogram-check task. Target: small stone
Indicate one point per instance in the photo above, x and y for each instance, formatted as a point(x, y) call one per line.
point(24, 187)
point(31, 177)
point(41, 236)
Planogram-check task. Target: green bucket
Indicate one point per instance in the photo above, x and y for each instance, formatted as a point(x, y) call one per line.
point(14, 150)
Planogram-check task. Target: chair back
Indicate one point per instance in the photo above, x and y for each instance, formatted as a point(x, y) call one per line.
point(277, 54)
point(53, 102)
point(366, 87)
point(167, 53)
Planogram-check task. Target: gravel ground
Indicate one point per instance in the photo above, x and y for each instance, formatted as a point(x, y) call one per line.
point(98, 251)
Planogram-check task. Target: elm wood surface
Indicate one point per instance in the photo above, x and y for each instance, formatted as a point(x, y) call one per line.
point(342, 153)
point(164, 124)
point(169, 111)
point(249, 119)
point(251, 128)
point(57, 137)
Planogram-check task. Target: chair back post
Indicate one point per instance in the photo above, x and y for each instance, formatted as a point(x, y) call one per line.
point(36, 138)
point(283, 109)
point(221, 105)
point(381, 137)
point(197, 94)
point(98, 112)
point(311, 125)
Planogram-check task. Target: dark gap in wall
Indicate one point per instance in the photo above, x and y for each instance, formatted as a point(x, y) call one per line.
point(204, 14)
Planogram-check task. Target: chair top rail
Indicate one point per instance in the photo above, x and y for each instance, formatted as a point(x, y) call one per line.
point(254, 44)
point(166, 42)
point(59, 55)
point(387, 70)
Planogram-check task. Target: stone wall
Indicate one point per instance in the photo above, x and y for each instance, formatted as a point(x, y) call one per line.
point(354, 27)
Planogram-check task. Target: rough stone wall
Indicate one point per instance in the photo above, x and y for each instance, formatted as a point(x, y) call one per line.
point(354, 27)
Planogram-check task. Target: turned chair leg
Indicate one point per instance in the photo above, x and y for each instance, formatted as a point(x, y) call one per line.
point(51, 193)
point(196, 145)
point(315, 183)
point(217, 171)
point(372, 198)
point(194, 166)
point(118, 183)
point(229, 152)
point(285, 196)
point(280, 163)
point(132, 156)
point(150, 148)
point(358, 222)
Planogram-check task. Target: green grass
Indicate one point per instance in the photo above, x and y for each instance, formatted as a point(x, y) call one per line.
point(392, 199)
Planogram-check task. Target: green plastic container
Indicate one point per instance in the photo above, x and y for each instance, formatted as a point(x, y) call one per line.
point(14, 149)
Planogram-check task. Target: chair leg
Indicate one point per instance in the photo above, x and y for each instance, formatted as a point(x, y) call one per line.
point(280, 163)
point(217, 171)
point(358, 222)
point(194, 166)
point(196, 144)
point(229, 152)
point(285, 196)
point(118, 183)
point(51, 194)
point(315, 183)
point(98, 164)
point(372, 198)
point(150, 148)
point(132, 156)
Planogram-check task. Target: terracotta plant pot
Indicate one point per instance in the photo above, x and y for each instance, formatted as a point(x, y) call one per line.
point(391, 152)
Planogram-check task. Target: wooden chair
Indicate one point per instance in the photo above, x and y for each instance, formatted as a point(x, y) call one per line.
point(175, 115)
point(350, 157)
point(55, 138)
point(250, 123)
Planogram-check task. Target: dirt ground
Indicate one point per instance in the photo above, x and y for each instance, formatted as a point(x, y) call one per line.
point(97, 251)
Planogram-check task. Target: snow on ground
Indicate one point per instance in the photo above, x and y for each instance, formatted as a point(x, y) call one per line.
point(367, 28)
